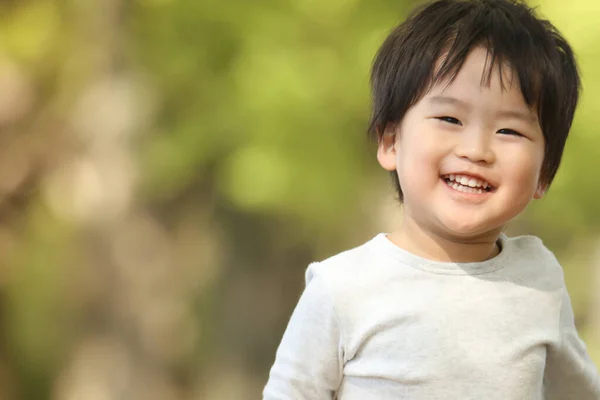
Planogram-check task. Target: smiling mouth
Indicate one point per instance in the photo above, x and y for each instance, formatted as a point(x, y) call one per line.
point(467, 184)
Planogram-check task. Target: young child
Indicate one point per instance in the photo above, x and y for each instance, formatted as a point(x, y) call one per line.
point(473, 102)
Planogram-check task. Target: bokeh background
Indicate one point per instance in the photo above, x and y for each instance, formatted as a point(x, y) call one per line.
point(168, 169)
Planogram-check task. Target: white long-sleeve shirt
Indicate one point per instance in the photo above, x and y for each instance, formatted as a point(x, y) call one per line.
point(377, 322)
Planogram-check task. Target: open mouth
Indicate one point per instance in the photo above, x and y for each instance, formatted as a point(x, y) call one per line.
point(467, 184)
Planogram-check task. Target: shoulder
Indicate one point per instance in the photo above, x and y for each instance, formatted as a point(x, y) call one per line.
point(526, 242)
point(532, 246)
point(355, 271)
point(345, 264)
point(530, 251)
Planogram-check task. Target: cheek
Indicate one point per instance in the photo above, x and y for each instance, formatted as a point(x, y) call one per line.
point(523, 170)
point(418, 167)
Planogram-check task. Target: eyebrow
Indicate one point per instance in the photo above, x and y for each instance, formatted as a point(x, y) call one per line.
point(516, 114)
point(447, 100)
point(508, 114)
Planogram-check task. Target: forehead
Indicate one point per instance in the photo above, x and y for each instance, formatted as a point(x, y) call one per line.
point(476, 76)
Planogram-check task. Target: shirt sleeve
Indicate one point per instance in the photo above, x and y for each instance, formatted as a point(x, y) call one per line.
point(309, 360)
point(570, 373)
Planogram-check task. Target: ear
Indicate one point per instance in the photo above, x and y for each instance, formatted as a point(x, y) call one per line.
point(386, 150)
point(540, 191)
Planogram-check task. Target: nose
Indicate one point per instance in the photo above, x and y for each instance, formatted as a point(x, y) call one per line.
point(474, 145)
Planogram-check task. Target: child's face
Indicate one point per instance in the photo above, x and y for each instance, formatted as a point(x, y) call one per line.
point(486, 135)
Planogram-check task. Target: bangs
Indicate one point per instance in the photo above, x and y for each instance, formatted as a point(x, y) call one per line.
point(516, 61)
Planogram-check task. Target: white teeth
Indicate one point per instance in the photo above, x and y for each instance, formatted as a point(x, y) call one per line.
point(464, 188)
point(468, 181)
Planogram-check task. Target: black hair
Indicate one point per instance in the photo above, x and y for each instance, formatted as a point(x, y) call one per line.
point(431, 45)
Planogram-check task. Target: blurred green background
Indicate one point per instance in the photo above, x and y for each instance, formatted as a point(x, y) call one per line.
point(168, 169)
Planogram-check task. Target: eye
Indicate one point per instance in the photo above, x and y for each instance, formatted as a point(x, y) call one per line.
point(509, 132)
point(450, 120)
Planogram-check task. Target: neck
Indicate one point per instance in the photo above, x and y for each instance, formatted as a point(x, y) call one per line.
point(445, 247)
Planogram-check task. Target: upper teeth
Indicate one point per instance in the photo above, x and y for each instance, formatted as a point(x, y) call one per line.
point(467, 181)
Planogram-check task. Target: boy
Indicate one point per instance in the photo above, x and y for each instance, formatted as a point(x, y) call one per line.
point(473, 101)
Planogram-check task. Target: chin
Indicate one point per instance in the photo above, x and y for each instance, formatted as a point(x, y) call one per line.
point(465, 233)
point(467, 229)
